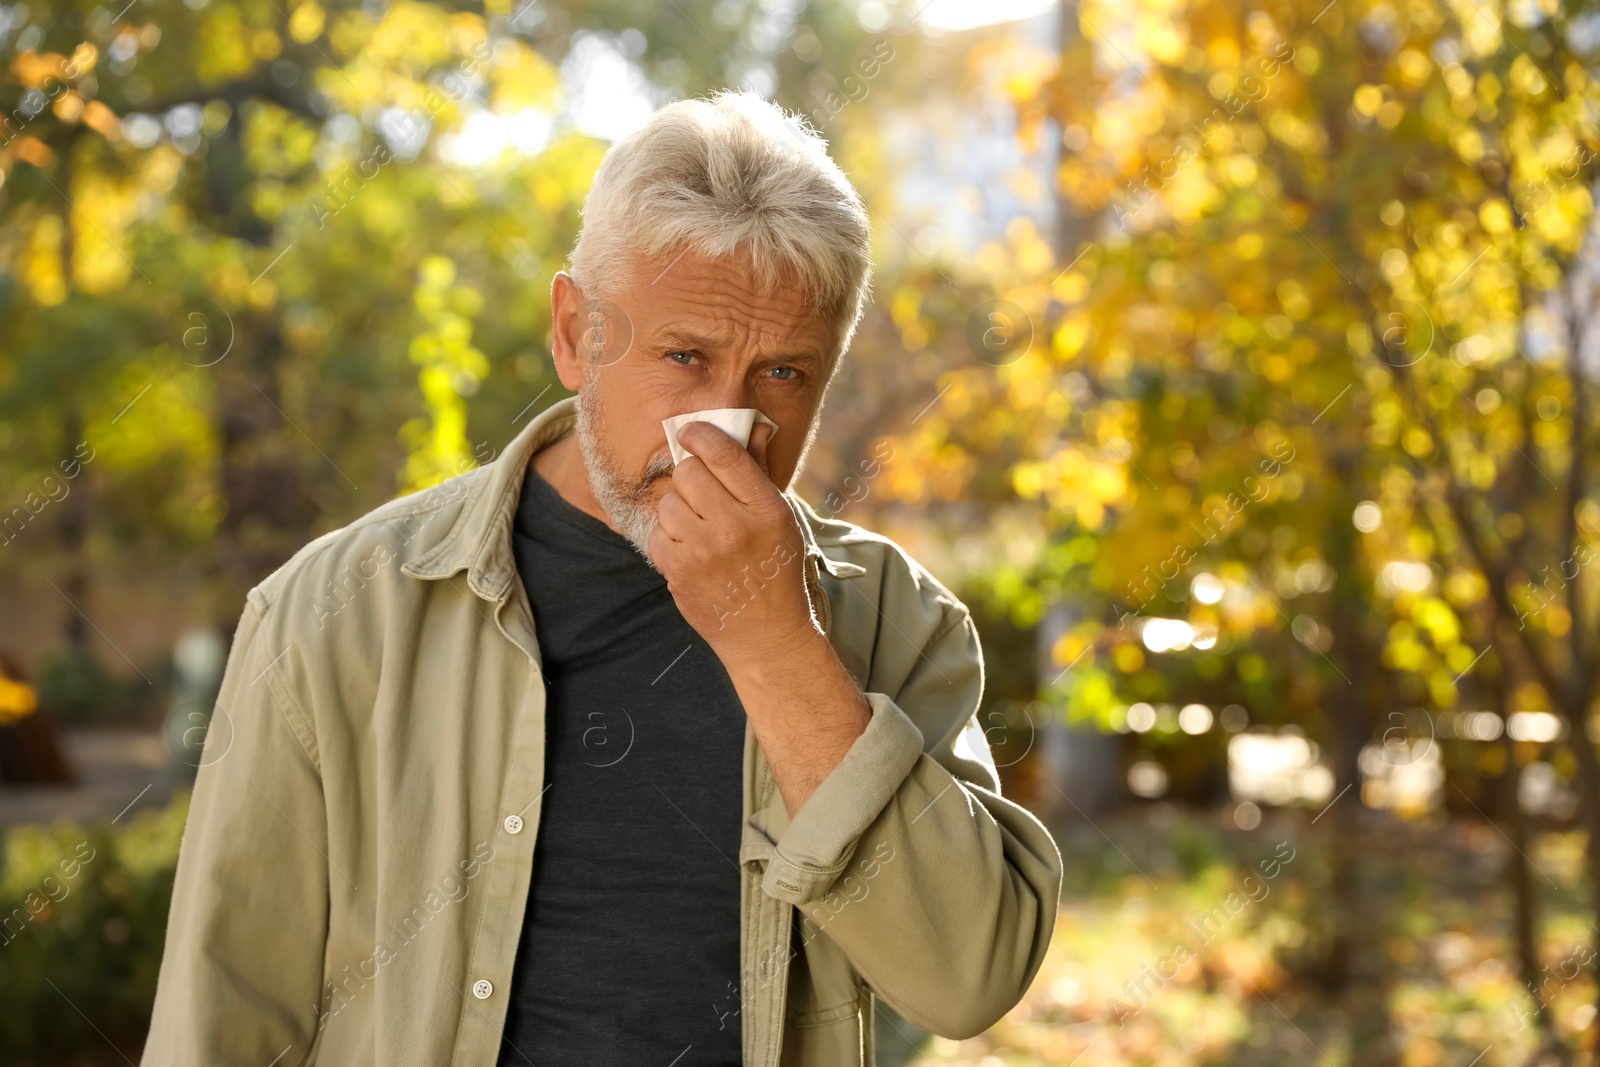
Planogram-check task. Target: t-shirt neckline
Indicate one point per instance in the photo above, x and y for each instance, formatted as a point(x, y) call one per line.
point(550, 500)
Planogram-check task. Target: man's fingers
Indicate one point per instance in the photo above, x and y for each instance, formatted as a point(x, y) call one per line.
point(734, 467)
point(760, 438)
point(675, 516)
point(710, 443)
point(661, 547)
point(701, 490)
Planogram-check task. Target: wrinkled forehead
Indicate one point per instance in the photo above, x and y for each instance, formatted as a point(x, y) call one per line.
point(718, 303)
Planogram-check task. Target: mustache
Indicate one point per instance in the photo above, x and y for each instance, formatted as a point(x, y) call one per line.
point(654, 471)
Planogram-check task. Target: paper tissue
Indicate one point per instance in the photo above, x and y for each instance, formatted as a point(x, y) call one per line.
point(735, 422)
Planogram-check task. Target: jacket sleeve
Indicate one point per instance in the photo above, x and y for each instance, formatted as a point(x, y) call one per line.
point(942, 893)
point(241, 974)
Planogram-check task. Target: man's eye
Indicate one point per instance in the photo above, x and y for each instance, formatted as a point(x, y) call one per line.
point(682, 358)
point(785, 374)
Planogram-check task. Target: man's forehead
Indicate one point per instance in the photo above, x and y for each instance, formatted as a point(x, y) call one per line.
point(699, 302)
point(698, 280)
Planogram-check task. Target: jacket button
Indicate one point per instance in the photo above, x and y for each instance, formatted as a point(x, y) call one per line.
point(513, 824)
point(482, 988)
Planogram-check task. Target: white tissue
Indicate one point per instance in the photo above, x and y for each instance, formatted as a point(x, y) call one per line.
point(735, 422)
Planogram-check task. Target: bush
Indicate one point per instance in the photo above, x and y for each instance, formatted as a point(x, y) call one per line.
point(83, 915)
point(77, 689)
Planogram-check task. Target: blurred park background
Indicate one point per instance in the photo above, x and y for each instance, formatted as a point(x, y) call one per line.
point(1235, 361)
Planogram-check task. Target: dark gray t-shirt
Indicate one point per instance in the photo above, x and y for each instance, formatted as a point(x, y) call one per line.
point(630, 946)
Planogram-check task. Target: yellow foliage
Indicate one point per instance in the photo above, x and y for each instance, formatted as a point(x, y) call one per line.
point(105, 211)
point(17, 700)
point(266, 45)
point(41, 262)
point(102, 120)
point(263, 294)
point(166, 416)
point(1526, 77)
point(1069, 647)
point(32, 68)
point(1468, 144)
point(1414, 67)
point(1240, 169)
point(1070, 336)
point(1417, 442)
point(30, 149)
point(1489, 88)
point(1223, 51)
point(307, 22)
point(437, 447)
point(1434, 617)
point(1032, 254)
point(523, 79)
point(1022, 68)
point(1163, 40)
point(1495, 215)
point(1074, 482)
point(225, 52)
point(467, 32)
point(69, 108)
point(1070, 286)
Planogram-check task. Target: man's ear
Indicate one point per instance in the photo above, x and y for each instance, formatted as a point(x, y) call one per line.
point(567, 325)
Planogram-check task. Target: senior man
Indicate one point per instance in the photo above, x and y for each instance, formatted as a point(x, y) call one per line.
point(585, 757)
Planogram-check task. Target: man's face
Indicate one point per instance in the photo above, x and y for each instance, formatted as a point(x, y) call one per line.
point(689, 333)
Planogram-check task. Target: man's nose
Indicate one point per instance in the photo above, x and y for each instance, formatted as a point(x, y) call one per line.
point(727, 392)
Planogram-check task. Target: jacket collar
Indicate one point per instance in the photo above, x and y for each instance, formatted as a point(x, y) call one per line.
point(479, 541)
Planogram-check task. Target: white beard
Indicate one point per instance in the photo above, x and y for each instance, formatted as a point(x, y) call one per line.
point(625, 500)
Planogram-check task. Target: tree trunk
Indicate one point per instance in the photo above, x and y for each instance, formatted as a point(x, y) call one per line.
point(262, 471)
point(262, 466)
point(1346, 729)
point(1524, 920)
point(1580, 670)
point(1588, 780)
point(74, 510)
point(74, 539)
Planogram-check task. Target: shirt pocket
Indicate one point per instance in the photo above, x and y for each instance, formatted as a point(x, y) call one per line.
point(824, 1004)
point(824, 1037)
point(850, 1009)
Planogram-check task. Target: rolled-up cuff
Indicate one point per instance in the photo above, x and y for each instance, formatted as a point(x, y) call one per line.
point(814, 850)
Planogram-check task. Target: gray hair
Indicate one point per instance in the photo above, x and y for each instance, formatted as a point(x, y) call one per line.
point(730, 174)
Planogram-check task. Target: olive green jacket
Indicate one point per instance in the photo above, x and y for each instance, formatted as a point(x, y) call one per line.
point(356, 864)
